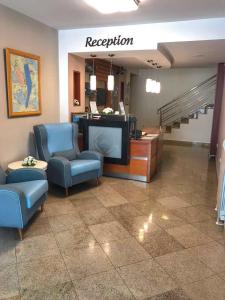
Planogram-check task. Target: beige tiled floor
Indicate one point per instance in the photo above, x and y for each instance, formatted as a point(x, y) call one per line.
point(123, 239)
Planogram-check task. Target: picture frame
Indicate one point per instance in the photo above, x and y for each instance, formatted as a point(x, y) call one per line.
point(23, 78)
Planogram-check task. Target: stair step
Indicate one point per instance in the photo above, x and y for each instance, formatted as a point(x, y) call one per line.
point(176, 125)
point(184, 120)
point(168, 129)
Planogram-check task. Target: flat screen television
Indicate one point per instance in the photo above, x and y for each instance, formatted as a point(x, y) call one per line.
point(101, 97)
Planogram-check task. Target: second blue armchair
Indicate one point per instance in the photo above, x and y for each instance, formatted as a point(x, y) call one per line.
point(22, 192)
point(57, 144)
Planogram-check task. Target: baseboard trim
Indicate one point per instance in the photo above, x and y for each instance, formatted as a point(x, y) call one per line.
point(186, 143)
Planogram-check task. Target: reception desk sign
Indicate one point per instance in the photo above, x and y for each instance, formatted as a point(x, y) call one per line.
point(107, 42)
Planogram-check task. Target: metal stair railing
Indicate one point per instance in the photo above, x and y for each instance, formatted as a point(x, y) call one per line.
point(188, 103)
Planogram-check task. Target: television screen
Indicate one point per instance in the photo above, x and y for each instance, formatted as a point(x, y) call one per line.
point(101, 96)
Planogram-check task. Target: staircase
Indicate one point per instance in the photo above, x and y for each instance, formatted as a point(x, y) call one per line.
point(193, 103)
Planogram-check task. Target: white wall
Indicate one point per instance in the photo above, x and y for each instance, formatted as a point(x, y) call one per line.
point(174, 82)
point(23, 33)
point(196, 131)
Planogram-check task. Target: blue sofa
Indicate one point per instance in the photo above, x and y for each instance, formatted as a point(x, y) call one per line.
point(22, 192)
point(57, 144)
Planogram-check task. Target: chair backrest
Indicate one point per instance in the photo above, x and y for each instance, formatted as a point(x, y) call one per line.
point(2, 176)
point(52, 138)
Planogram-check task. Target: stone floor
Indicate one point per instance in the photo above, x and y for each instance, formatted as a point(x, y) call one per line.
point(123, 239)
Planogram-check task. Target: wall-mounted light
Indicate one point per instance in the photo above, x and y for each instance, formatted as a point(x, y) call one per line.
point(152, 86)
point(93, 76)
point(110, 81)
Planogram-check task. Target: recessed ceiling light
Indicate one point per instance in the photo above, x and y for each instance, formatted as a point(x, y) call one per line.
point(113, 6)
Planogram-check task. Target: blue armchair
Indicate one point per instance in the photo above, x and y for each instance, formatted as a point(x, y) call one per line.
point(57, 144)
point(22, 192)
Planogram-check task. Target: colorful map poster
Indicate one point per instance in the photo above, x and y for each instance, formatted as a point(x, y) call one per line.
point(23, 83)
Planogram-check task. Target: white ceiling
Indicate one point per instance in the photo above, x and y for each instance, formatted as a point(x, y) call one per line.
point(132, 59)
point(194, 54)
point(64, 14)
point(181, 54)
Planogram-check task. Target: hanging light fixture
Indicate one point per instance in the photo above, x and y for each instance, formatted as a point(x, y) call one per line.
point(93, 76)
point(110, 82)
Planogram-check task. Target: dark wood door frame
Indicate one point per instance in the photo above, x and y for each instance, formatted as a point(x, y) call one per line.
point(217, 109)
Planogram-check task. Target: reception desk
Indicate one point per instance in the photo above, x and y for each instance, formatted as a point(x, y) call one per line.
point(124, 157)
point(145, 157)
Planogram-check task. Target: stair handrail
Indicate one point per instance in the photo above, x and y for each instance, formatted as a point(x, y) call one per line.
point(188, 92)
point(185, 101)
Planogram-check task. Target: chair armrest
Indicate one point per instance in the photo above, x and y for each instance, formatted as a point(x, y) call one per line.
point(25, 174)
point(90, 155)
point(12, 207)
point(59, 171)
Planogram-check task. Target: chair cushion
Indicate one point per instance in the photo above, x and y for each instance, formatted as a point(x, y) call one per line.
point(32, 190)
point(69, 154)
point(80, 166)
point(59, 137)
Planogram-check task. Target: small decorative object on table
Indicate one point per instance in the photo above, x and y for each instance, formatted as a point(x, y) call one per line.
point(29, 161)
point(107, 111)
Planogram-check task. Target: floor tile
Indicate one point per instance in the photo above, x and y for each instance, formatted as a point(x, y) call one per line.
point(65, 222)
point(61, 291)
point(192, 214)
point(36, 226)
point(140, 224)
point(210, 228)
point(78, 237)
point(9, 286)
point(212, 288)
point(97, 216)
point(84, 262)
point(150, 207)
point(188, 236)
point(110, 231)
point(8, 236)
point(146, 279)
point(184, 266)
point(41, 273)
point(173, 202)
point(131, 192)
point(36, 247)
point(109, 197)
point(160, 243)
point(212, 254)
point(125, 252)
point(59, 208)
point(7, 254)
point(85, 204)
point(177, 294)
point(167, 220)
point(124, 211)
point(222, 275)
point(107, 285)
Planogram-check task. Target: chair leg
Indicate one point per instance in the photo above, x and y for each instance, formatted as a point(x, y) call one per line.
point(20, 231)
point(67, 192)
point(42, 207)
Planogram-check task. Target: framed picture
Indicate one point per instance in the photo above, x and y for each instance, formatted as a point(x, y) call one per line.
point(23, 83)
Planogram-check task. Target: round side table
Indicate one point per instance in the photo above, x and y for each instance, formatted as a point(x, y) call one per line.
point(18, 165)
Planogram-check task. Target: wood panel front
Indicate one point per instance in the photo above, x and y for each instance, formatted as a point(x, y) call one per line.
point(135, 167)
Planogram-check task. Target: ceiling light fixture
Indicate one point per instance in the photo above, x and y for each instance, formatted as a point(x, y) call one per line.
point(93, 76)
point(113, 6)
point(110, 82)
